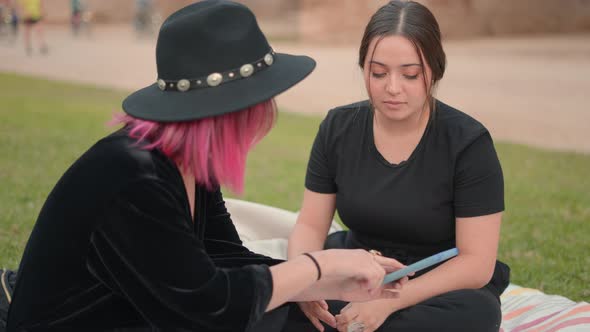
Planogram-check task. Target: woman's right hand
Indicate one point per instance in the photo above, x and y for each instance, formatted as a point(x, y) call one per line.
point(349, 275)
point(317, 312)
point(356, 275)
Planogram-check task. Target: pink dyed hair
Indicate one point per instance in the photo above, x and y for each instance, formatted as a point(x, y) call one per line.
point(213, 149)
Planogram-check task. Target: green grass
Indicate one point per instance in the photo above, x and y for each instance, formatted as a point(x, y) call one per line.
point(45, 125)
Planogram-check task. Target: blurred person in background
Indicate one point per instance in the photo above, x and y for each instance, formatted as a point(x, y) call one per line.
point(81, 20)
point(4, 15)
point(8, 20)
point(135, 235)
point(76, 19)
point(410, 176)
point(147, 19)
point(14, 21)
point(32, 17)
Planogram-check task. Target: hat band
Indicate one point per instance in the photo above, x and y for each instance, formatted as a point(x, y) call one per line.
point(215, 79)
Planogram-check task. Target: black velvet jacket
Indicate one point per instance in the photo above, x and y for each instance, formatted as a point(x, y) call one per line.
point(115, 248)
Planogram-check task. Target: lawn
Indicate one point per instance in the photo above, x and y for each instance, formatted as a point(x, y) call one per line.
point(46, 125)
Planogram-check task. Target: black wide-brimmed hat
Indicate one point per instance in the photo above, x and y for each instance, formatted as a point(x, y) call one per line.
point(213, 59)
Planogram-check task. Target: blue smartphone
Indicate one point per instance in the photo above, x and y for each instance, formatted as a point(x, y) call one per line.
point(421, 264)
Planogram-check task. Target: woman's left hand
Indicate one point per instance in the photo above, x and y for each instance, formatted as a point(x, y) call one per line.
point(366, 316)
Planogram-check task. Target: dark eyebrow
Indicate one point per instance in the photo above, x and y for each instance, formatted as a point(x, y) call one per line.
point(411, 64)
point(404, 65)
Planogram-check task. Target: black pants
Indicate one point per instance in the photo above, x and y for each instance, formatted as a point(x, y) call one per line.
point(475, 310)
point(463, 310)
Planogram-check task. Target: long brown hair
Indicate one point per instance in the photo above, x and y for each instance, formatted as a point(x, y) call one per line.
point(415, 22)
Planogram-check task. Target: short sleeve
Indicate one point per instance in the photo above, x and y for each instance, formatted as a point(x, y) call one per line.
point(145, 251)
point(320, 172)
point(478, 182)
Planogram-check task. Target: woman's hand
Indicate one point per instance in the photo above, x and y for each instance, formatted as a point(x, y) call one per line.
point(356, 275)
point(353, 291)
point(317, 312)
point(369, 315)
point(348, 275)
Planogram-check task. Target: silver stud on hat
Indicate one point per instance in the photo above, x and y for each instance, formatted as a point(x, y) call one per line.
point(214, 79)
point(183, 85)
point(269, 59)
point(161, 84)
point(246, 70)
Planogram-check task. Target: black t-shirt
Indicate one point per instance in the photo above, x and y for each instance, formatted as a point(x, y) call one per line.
point(453, 172)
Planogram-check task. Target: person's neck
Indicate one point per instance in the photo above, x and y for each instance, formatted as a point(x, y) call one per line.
point(403, 128)
point(189, 186)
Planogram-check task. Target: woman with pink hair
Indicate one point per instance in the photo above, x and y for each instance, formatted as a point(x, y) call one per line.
point(136, 236)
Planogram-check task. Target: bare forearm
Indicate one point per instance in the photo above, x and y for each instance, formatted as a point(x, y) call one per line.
point(313, 223)
point(321, 290)
point(463, 272)
point(291, 278)
point(304, 238)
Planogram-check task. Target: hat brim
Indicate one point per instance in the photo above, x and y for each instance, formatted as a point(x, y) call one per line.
point(151, 103)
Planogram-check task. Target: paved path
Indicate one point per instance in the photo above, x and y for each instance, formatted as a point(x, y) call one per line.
point(528, 90)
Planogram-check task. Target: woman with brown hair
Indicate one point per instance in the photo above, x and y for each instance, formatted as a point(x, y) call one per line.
point(410, 176)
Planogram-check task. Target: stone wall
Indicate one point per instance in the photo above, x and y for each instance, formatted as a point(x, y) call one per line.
point(335, 20)
point(277, 18)
point(344, 20)
point(113, 11)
